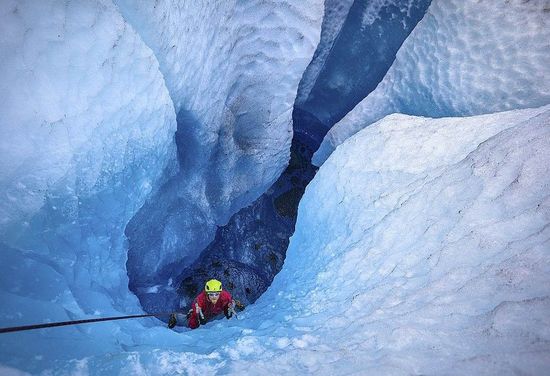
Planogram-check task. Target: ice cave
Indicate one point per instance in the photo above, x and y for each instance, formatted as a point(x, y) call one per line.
point(370, 178)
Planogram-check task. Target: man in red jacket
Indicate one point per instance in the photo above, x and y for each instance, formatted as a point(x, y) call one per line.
point(211, 302)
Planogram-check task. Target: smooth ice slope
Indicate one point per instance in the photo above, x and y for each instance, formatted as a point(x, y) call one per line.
point(86, 130)
point(429, 255)
point(463, 58)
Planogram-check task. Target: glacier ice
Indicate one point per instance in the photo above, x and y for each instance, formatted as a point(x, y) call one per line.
point(336, 12)
point(463, 58)
point(421, 245)
point(91, 92)
point(388, 284)
point(219, 61)
point(234, 119)
point(60, 110)
point(83, 139)
point(354, 54)
point(87, 129)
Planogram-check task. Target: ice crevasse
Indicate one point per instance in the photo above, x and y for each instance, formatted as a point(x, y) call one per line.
point(430, 256)
point(232, 69)
point(92, 91)
point(429, 253)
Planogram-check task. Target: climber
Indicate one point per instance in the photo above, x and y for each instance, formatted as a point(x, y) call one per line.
point(212, 301)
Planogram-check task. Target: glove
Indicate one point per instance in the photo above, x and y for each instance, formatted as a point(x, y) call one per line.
point(200, 315)
point(230, 310)
point(172, 321)
point(228, 313)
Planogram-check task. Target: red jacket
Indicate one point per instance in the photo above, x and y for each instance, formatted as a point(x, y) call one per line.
point(209, 310)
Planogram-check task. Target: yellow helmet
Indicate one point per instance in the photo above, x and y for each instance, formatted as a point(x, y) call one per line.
point(213, 286)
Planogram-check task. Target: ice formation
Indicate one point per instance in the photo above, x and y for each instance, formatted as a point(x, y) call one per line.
point(421, 246)
point(234, 119)
point(90, 96)
point(87, 129)
point(219, 60)
point(463, 58)
point(61, 110)
point(389, 284)
point(336, 13)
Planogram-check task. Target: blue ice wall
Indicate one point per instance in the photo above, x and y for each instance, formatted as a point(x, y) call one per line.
point(360, 56)
point(171, 253)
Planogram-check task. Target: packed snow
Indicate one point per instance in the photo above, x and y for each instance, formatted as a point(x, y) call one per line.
point(465, 57)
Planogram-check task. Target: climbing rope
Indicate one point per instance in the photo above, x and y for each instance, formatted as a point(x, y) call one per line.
point(76, 322)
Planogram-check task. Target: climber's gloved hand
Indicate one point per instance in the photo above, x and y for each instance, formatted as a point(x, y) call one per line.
point(230, 310)
point(228, 313)
point(172, 321)
point(200, 315)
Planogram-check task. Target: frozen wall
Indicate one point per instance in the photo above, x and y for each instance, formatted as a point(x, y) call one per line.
point(463, 58)
point(232, 69)
point(86, 131)
point(336, 13)
point(90, 95)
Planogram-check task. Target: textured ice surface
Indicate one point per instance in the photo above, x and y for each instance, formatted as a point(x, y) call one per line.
point(463, 58)
point(86, 130)
point(233, 70)
point(77, 86)
point(348, 66)
point(429, 255)
point(336, 12)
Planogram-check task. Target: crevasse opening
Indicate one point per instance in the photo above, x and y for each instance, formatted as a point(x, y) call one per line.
point(246, 248)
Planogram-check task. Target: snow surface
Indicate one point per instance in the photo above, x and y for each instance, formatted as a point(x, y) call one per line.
point(463, 58)
point(429, 256)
